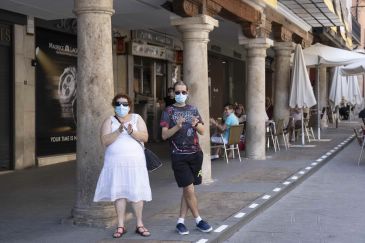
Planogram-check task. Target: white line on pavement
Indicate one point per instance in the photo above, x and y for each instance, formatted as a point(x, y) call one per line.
point(253, 205)
point(221, 228)
point(240, 215)
point(202, 241)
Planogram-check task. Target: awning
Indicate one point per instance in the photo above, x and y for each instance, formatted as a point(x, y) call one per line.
point(319, 54)
point(317, 13)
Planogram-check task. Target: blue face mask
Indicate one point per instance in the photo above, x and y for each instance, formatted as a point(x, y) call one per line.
point(121, 111)
point(180, 98)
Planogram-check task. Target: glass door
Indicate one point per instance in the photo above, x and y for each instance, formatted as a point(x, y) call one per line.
point(150, 88)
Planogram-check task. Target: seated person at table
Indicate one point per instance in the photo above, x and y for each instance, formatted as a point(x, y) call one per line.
point(269, 108)
point(344, 110)
point(230, 119)
point(170, 98)
point(295, 122)
point(239, 111)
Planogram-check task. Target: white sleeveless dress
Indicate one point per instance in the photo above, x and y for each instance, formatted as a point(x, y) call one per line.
point(124, 174)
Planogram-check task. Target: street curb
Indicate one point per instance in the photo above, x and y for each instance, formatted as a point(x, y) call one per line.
point(264, 201)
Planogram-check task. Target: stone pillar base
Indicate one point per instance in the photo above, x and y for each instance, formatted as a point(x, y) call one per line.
point(103, 215)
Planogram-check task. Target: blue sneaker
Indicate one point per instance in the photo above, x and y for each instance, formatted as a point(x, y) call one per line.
point(181, 229)
point(203, 226)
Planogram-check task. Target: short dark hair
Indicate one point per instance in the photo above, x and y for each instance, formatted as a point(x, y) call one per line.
point(121, 95)
point(180, 82)
point(229, 105)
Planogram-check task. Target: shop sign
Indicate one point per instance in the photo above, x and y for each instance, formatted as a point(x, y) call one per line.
point(62, 25)
point(5, 34)
point(56, 55)
point(120, 45)
point(152, 38)
point(157, 52)
point(179, 57)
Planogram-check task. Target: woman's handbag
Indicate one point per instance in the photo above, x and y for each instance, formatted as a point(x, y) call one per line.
point(153, 162)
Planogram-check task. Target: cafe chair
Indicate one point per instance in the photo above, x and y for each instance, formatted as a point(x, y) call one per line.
point(360, 139)
point(281, 131)
point(234, 138)
point(309, 130)
point(271, 135)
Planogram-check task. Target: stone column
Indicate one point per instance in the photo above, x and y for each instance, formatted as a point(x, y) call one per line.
point(195, 34)
point(282, 79)
point(255, 107)
point(94, 93)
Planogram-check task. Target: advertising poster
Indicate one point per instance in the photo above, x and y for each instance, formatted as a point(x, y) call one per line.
point(56, 62)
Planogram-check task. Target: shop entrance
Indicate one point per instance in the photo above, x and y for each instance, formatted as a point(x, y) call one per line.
point(226, 83)
point(219, 85)
point(5, 97)
point(150, 85)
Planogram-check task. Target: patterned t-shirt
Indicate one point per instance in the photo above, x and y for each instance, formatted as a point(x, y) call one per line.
point(184, 141)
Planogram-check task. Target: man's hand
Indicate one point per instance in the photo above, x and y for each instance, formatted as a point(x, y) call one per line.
point(194, 121)
point(180, 121)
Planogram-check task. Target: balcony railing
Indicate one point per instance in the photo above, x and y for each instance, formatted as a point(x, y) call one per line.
point(356, 31)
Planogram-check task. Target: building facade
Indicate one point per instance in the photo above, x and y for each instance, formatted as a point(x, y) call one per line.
point(59, 79)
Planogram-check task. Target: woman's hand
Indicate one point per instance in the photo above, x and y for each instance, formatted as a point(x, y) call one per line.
point(121, 127)
point(130, 129)
point(106, 135)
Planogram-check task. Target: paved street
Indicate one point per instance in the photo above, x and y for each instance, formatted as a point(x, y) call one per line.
point(37, 200)
point(327, 207)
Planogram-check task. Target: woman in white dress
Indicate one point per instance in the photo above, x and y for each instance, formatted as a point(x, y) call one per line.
point(124, 176)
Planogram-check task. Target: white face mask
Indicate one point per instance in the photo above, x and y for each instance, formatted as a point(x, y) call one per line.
point(121, 110)
point(180, 98)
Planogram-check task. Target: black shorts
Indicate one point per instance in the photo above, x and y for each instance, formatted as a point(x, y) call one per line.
point(187, 168)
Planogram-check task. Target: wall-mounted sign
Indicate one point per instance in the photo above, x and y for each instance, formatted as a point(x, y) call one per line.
point(152, 38)
point(120, 45)
point(30, 25)
point(56, 85)
point(5, 34)
point(157, 52)
point(179, 57)
point(62, 25)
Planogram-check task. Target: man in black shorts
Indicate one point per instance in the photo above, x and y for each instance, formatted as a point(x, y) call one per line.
point(180, 124)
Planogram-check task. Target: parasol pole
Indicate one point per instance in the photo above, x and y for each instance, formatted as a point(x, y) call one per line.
point(303, 140)
point(318, 115)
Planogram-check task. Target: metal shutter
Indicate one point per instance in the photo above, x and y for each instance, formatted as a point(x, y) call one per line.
point(5, 119)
